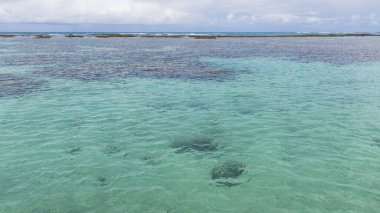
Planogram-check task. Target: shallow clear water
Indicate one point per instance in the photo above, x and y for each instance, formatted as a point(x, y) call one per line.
point(86, 124)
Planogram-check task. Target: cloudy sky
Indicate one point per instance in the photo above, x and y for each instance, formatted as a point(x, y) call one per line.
point(190, 15)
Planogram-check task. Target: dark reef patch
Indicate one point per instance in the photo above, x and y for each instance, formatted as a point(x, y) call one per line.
point(228, 183)
point(110, 59)
point(156, 69)
point(246, 111)
point(196, 105)
point(147, 157)
point(102, 180)
point(74, 150)
point(63, 58)
point(14, 85)
point(163, 107)
point(376, 142)
point(202, 144)
point(227, 169)
point(151, 159)
point(111, 149)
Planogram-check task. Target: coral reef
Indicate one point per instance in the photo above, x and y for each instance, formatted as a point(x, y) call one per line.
point(14, 85)
point(227, 169)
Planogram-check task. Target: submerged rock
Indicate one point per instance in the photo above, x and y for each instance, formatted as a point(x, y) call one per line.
point(85, 68)
point(246, 111)
point(376, 142)
point(150, 159)
point(197, 105)
point(228, 169)
point(74, 150)
point(102, 180)
point(14, 85)
point(147, 157)
point(228, 183)
point(203, 144)
point(111, 149)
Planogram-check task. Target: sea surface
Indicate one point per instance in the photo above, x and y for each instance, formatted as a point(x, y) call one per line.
point(88, 124)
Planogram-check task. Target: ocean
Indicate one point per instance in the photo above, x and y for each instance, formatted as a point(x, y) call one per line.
point(141, 124)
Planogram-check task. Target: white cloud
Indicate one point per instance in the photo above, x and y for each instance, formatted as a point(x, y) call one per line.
point(184, 12)
point(313, 20)
point(230, 17)
point(374, 19)
point(355, 17)
point(94, 11)
point(280, 18)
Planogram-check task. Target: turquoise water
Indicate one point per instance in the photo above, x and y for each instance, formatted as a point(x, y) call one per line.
point(306, 126)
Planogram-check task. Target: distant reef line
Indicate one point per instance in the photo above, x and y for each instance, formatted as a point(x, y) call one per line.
point(197, 36)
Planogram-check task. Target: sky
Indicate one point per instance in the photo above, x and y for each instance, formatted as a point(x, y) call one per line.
point(190, 15)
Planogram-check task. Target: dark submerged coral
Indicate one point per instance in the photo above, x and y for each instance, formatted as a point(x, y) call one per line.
point(376, 142)
point(227, 183)
point(202, 144)
point(111, 149)
point(101, 179)
point(74, 150)
point(156, 69)
point(228, 169)
point(14, 85)
point(151, 159)
point(109, 59)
